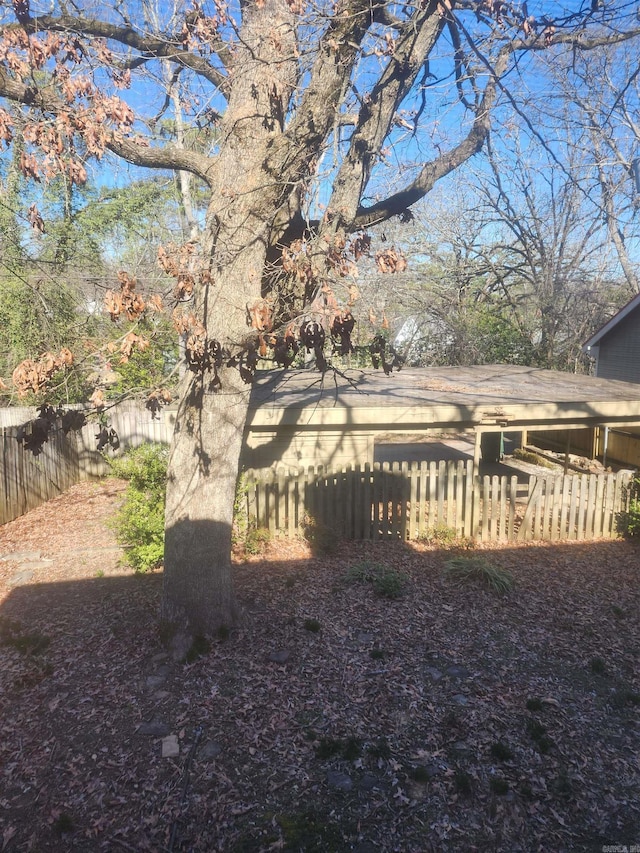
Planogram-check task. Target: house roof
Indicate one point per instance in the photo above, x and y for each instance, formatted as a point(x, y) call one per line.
point(486, 397)
point(595, 339)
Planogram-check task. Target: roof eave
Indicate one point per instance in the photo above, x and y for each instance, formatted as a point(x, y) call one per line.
point(608, 326)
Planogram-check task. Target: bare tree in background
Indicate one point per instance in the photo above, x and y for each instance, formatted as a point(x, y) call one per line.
point(601, 98)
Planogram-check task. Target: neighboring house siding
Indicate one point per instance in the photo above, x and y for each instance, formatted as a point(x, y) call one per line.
point(619, 351)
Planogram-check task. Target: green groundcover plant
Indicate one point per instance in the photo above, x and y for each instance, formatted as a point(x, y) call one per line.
point(631, 523)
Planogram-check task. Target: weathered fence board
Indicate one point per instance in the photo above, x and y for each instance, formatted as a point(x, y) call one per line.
point(26, 481)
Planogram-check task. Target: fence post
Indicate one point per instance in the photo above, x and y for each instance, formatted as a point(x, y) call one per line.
point(405, 501)
point(466, 499)
point(513, 494)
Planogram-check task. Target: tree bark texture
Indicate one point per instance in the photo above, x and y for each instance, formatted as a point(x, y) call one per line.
point(204, 461)
point(203, 471)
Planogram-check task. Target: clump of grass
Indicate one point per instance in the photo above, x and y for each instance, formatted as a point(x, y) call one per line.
point(538, 733)
point(597, 666)
point(536, 729)
point(479, 569)
point(390, 584)
point(463, 782)
point(563, 785)
point(450, 719)
point(321, 538)
point(386, 582)
point(377, 654)
point(446, 538)
point(534, 704)
point(328, 747)
point(501, 752)
point(30, 643)
point(420, 774)
point(312, 625)
point(544, 744)
point(499, 786)
point(526, 791)
point(622, 697)
point(63, 824)
point(439, 534)
point(352, 749)
point(308, 830)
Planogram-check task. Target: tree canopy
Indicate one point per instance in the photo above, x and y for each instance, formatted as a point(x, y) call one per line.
point(303, 125)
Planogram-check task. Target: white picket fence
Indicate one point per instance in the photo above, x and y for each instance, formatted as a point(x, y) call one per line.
point(412, 500)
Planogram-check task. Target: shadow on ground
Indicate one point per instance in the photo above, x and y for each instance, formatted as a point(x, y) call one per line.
point(333, 718)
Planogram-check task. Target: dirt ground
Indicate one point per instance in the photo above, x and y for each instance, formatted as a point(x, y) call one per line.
point(450, 718)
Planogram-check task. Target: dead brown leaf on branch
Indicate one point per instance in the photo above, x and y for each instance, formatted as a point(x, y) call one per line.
point(391, 261)
point(126, 302)
point(31, 376)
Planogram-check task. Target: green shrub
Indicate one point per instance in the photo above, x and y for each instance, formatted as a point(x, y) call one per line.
point(630, 523)
point(446, 538)
point(256, 539)
point(241, 520)
point(440, 535)
point(321, 538)
point(386, 582)
point(139, 523)
point(145, 467)
point(477, 568)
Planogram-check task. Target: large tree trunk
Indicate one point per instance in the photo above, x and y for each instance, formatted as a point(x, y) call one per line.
point(203, 468)
point(203, 471)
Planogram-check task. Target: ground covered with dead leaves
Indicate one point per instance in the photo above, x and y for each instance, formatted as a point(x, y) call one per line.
point(333, 719)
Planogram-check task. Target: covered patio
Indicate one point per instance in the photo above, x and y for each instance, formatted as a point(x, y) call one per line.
point(302, 418)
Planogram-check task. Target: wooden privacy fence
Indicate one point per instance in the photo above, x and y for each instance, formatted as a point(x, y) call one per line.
point(26, 481)
point(409, 501)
